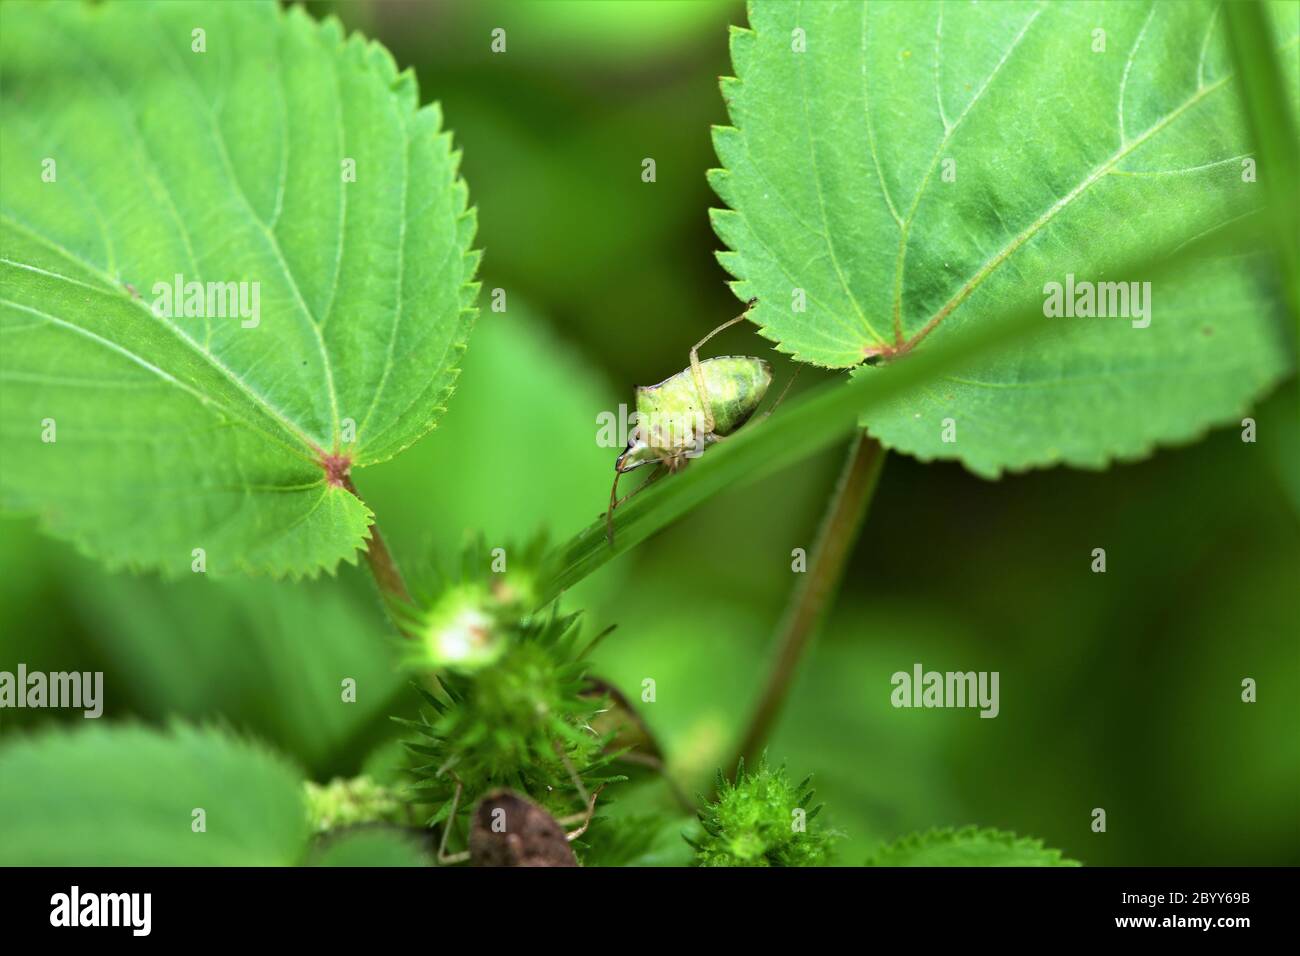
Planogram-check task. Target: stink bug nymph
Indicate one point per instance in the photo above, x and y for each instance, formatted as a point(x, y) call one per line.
point(683, 415)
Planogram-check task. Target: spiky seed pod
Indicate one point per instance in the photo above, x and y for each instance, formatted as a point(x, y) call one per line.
point(523, 722)
point(461, 624)
point(761, 819)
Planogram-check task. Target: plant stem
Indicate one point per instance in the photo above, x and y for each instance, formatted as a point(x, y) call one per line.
point(824, 414)
point(389, 579)
point(839, 530)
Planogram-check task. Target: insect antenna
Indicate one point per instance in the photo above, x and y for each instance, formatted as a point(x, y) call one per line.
point(784, 392)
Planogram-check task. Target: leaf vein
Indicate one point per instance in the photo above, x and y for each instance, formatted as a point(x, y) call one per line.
point(821, 198)
point(905, 232)
point(271, 239)
point(871, 126)
point(216, 363)
point(1128, 65)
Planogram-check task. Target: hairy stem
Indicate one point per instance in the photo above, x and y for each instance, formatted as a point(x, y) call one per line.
point(839, 530)
point(387, 576)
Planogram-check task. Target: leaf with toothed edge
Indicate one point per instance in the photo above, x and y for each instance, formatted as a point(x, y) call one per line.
point(267, 150)
point(968, 846)
point(900, 170)
point(126, 795)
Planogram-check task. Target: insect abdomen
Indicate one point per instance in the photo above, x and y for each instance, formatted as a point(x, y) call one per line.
point(736, 386)
point(671, 411)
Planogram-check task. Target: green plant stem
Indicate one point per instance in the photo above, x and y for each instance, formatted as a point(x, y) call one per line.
point(827, 413)
point(1266, 108)
point(839, 530)
point(389, 579)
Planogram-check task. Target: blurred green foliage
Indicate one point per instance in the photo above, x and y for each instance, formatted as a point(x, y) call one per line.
point(119, 795)
point(1118, 690)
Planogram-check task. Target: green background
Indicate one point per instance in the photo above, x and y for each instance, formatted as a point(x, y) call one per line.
point(1119, 691)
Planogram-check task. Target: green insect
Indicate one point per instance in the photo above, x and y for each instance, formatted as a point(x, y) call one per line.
point(683, 415)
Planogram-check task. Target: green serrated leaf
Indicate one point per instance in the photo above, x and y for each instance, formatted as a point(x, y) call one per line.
point(132, 157)
point(126, 796)
point(372, 846)
point(892, 171)
point(969, 846)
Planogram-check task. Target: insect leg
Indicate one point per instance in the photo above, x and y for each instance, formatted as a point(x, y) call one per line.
point(609, 515)
point(443, 856)
point(654, 476)
point(584, 817)
point(615, 501)
point(698, 374)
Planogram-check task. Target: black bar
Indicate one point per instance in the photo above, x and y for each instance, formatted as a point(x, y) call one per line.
point(331, 906)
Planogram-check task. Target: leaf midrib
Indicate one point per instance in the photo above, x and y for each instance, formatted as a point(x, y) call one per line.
point(268, 233)
point(302, 441)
